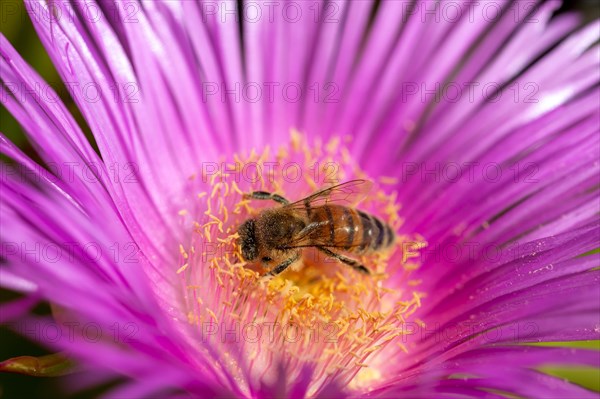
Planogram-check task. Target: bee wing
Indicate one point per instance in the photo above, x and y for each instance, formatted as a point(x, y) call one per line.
point(302, 239)
point(305, 238)
point(349, 194)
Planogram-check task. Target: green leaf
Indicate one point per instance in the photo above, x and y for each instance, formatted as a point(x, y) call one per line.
point(54, 365)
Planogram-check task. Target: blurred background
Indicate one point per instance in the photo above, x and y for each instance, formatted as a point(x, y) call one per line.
point(19, 31)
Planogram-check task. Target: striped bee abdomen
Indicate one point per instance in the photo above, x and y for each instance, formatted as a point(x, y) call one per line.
point(375, 233)
point(349, 229)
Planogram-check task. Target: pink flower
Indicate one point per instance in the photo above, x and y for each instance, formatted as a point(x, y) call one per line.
point(480, 132)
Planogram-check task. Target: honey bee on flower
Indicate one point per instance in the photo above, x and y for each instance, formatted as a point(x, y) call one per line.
point(430, 220)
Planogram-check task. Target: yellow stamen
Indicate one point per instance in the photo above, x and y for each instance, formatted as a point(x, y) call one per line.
point(182, 252)
point(182, 268)
point(345, 318)
point(212, 315)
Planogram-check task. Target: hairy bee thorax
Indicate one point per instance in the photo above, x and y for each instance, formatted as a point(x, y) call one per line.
point(278, 228)
point(343, 323)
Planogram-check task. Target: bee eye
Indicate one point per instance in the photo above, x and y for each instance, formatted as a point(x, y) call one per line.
point(266, 259)
point(247, 240)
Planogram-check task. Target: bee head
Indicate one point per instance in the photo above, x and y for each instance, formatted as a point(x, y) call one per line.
point(247, 240)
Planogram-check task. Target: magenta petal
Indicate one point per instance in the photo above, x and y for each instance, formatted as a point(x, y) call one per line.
point(173, 78)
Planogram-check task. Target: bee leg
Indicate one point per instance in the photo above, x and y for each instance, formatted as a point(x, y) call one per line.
point(283, 265)
point(350, 262)
point(263, 195)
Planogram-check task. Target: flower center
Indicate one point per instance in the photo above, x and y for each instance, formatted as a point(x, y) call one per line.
point(321, 313)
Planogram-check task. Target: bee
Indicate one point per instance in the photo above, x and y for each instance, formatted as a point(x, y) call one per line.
point(326, 220)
